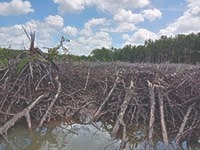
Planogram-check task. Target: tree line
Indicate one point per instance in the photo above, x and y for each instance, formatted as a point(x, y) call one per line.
point(179, 49)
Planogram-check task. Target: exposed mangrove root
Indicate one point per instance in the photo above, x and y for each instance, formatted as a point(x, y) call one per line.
point(97, 113)
point(164, 98)
point(52, 103)
point(120, 121)
point(23, 113)
point(124, 137)
point(88, 75)
point(162, 117)
point(185, 120)
point(152, 113)
point(12, 147)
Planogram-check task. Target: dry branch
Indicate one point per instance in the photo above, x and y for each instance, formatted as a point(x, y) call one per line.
point(124, 137)
point(162, 115)
point(96, 115)
point(120, 119)
point(52, 103)
point(84, 88)
point(152, 111)
point(185, 120)
point(88, 75)
point(129, 94)
point(16, 117)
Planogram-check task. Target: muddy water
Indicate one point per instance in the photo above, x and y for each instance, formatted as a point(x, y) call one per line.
point(61, 136)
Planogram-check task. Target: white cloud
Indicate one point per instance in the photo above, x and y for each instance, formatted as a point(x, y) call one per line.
point(12, 36)
point(187, 23)
point(92, 23)
point(70, 5)
point(121, 27)
point(86, 32)
point(15, 7)
point(48, 29)
point(83, 45)
point(127, 16)
point(51, 28)
point(90, 37)
point(139, 37)
point(125, 27)
point(103, 5)
point(193, 7)
point(55, 21)
point(45, 32)
point(124, 21)
point(113, 5)
point(70, 31)
point(152, 14)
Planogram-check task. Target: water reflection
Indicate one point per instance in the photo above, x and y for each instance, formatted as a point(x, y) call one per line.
point(62, 137)
point(76, 137)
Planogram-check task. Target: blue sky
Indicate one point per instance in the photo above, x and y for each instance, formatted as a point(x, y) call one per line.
point(91, 24)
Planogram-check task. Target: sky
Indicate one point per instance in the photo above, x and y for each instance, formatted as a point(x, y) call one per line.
point(91, 24)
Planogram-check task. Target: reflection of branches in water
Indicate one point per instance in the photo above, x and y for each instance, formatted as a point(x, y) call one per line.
point(70, 131)
point(110, 144)
point(12, 146)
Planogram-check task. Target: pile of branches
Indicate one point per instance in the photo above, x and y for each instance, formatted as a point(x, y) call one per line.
point(164, 97)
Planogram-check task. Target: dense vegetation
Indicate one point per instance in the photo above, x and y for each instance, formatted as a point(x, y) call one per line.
point(179, 49)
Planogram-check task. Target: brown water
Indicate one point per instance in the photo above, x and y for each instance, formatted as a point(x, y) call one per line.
point(75, 137)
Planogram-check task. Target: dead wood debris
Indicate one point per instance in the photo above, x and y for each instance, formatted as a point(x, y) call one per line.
point(161, 96)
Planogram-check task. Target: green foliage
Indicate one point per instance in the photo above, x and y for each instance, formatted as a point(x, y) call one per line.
point(53, 53)
point(76, 58)
point(21, 64)
point(103, 54)
point(8, 54)
point(3, 59)
point(179, 49)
